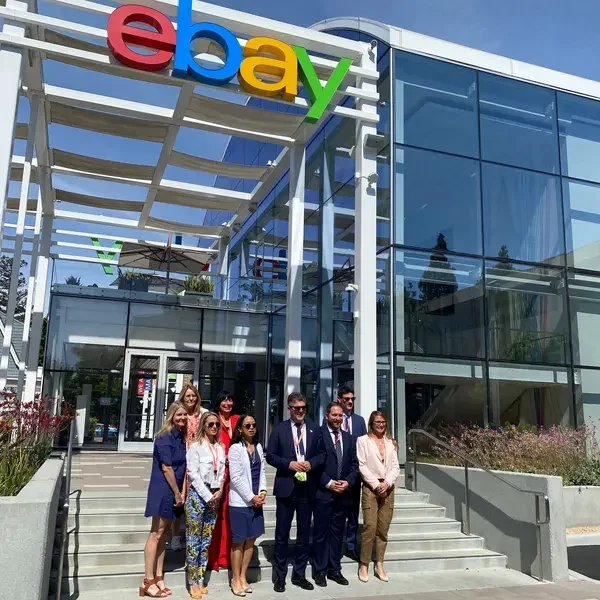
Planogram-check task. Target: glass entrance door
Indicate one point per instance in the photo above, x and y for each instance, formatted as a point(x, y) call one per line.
point(152, 381)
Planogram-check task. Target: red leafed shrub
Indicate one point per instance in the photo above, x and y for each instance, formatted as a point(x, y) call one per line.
point(27, 433)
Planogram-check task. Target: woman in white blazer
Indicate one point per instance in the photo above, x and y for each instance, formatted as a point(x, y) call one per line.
point(379, 469)
point(247, 494)
point(206, 472)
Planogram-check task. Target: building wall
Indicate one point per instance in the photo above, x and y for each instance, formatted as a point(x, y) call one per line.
point(496, 243)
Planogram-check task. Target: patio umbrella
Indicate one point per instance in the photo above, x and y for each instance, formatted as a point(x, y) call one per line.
point(164, 257)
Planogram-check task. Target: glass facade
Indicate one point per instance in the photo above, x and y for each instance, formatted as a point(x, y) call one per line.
point(496, 240)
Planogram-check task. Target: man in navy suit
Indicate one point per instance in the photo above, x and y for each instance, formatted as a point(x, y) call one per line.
point(333, 497)
point(354, 425)
point(294, 450)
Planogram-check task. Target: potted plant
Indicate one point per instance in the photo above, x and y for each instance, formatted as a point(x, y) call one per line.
point(198, 285)
point(72, 280)
point(136, 282)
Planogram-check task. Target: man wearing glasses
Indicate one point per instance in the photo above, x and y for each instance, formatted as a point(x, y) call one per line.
point(354, 425)
point(294, 450)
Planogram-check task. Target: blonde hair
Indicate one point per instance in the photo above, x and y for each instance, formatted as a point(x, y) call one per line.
point(168, 424)
point(201, 435)
point(184, 389)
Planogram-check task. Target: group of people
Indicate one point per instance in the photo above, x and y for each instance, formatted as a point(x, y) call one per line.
point(211, 466)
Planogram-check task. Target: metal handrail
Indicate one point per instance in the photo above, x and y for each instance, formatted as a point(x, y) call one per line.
point(65, 512)
point(467, 524)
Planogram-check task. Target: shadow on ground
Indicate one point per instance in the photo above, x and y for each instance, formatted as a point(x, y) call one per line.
point(585, 560)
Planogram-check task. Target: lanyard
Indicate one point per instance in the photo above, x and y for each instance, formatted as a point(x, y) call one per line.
point(215, 454)
point(297, 442)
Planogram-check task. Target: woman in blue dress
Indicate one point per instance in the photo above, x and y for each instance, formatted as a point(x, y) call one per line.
point(166, 496)
point(247, 495)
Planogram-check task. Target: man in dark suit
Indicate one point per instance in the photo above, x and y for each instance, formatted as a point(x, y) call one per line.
point(294, 450)
point(354, 425)
point(333, 497)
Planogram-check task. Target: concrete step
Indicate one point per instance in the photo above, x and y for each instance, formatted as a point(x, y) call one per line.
point(113, 519)
point(129, 577)
point(90, 537)
point(133, 554)
point(137, 502)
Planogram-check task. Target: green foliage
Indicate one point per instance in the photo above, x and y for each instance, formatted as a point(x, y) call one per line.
point(198, 283)
point(72, 280)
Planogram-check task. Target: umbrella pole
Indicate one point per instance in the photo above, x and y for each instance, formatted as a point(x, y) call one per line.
point(168, 264)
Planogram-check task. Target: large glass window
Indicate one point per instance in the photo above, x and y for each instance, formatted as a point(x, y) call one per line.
point(584, 297)
point(86, 334)
point(439, 304)
point(437, 196)
point(164, 327)
point(435, 105)
point(522, 215)
point(527, 314)
point(579, 128)
point(582, 224)
point(518, 123)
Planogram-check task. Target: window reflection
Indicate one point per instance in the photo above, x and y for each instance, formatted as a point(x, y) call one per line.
point(518, 123)
point(437, 194)
point(439, 303)
point(435, 104)
point(579, 128)
point(522, 215)
point(526, 310)
point(584, 297)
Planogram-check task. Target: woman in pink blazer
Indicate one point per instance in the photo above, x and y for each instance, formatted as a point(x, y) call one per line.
point(379, 469)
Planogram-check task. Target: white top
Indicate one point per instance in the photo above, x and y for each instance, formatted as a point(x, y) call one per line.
point(370, 465)
point(201, 468)
point(240, 475)
point(333, 436)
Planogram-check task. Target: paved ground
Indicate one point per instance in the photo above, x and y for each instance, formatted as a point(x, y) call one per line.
point(104, 472)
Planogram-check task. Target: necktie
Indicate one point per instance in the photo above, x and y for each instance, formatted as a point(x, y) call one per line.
point(298, 434)
point(338, 453)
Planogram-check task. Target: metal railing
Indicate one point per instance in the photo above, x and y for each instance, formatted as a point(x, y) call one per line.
point(539, 496)
point(65, 512)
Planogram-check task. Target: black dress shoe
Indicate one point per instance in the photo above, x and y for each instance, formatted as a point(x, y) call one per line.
point(302, 582)
point(321, 580)
point(338, 578)
point(279, 586)
point(352, 555)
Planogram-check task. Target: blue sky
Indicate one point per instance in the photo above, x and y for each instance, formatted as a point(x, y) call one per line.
point(543, 32)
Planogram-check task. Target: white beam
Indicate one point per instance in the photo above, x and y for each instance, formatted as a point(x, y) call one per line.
point(293, 314)
point(18, 249)
point(86, 259)
point(10, 75)
point(365, 317)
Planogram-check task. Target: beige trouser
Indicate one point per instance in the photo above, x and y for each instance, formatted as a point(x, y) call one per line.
point(377, 516)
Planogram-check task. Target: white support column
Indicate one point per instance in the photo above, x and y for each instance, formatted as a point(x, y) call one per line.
point(223, 289)
point(18, 251)
point(326, 257)
point(365, 277)
point(11, 60)
point(293, 311)
point(39, 301)
point(30, 292)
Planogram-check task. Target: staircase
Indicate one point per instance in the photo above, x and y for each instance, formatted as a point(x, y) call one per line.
point(107, 532)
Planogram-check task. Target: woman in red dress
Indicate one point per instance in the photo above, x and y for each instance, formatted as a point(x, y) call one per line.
point(220, 547)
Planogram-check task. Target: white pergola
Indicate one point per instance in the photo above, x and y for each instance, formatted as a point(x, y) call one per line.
point(28, 39)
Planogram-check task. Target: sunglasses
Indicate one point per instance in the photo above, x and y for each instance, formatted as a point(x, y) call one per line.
point(297, 408)
point(250, 426)
point(214, 424)
point(346, 399)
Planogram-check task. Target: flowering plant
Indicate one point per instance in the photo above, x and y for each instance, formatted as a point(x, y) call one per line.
point(27, 432)
point(558, 450)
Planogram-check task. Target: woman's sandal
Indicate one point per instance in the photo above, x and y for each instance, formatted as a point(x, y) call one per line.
point(143, 591)
point(166, 590)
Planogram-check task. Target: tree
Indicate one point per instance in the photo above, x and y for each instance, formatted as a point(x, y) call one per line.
point(43, 342)
point(6, 265)
point(72, 280)
point(437, 284)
